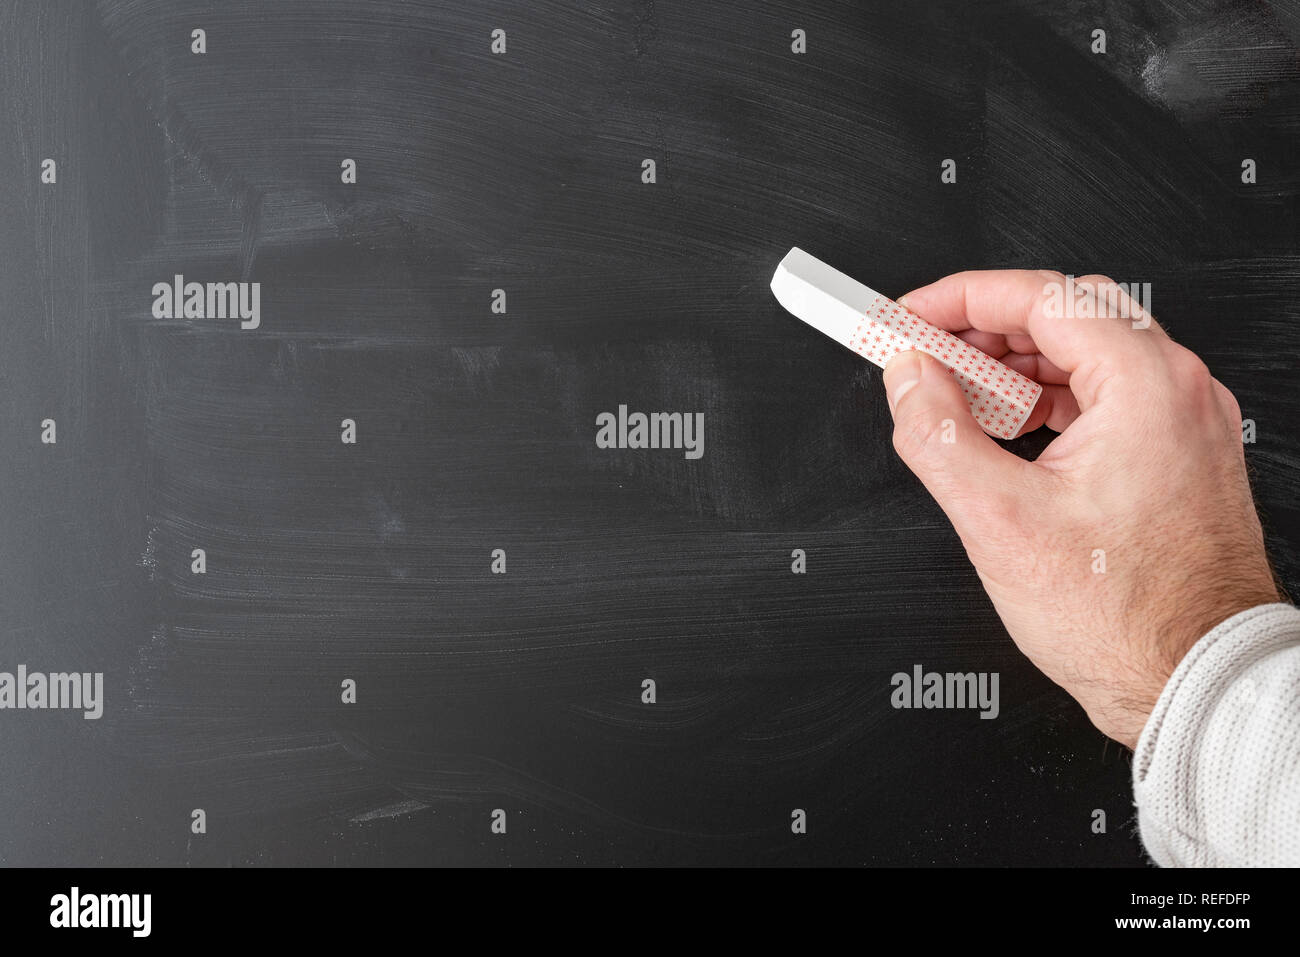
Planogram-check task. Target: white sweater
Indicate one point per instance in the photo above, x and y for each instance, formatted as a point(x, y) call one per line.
point(1216, 773)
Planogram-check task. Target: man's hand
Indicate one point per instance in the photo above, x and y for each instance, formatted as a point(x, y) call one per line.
point(1147, 481)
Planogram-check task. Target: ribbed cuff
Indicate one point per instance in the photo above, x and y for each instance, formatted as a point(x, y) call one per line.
point(1207, 713)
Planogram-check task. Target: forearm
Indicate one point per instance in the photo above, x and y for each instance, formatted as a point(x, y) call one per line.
point(1216, 772)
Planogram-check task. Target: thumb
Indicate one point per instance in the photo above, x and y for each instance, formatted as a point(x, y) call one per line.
point(965, 470)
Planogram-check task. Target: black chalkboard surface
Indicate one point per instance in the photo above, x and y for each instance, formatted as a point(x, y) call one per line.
point(363, 586)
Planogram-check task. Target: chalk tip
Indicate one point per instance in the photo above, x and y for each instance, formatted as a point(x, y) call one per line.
point(791, 259)
point(786, 270)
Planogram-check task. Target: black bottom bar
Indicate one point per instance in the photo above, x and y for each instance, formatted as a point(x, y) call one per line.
point(333, 907)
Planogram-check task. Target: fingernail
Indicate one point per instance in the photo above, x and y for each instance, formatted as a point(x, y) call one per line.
point(902, 373)
point(902, 301)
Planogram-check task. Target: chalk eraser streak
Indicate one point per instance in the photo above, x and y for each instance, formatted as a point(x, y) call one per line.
point(877, 328)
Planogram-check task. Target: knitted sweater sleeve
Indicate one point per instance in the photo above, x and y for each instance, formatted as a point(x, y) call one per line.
point(1216, 773)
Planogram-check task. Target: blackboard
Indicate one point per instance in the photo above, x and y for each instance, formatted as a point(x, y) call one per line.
point(500, 273)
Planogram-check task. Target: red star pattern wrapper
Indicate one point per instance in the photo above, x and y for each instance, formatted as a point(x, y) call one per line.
point(877, 328)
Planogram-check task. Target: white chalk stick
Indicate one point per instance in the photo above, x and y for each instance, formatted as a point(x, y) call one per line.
point(877, 328)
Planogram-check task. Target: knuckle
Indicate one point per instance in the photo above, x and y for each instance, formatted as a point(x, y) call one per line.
point(1095, 279)
point(1054, 283)
point(1110, 300)
point(918, 436)
point(1189, 371)
point(1229, 401)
